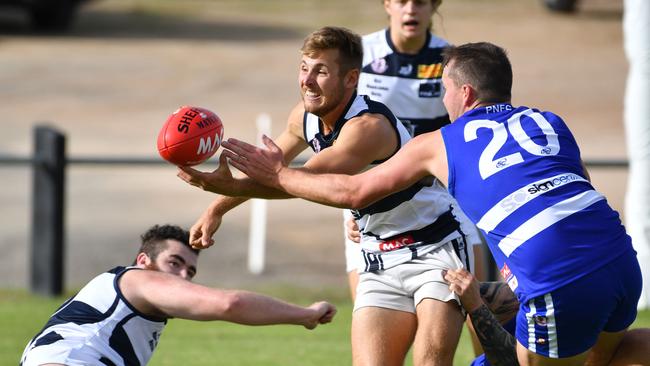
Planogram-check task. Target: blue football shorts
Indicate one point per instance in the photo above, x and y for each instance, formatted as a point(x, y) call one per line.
point(567, 321)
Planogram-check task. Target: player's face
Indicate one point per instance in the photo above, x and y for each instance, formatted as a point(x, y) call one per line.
point(321, 87)
point(176, 259)
point(410, 18)
point(453, 99)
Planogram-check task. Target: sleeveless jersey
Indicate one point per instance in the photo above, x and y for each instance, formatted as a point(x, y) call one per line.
point(404, 225)
point(96, 327)
point(517, 173)
point(410, 85)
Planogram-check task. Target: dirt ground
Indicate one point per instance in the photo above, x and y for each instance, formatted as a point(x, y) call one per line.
point(112, 80)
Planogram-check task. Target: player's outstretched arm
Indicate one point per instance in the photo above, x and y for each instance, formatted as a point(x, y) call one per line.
point(236, 191)
point(416, 160)
point(221, 181)
point(208, 223)
point(161, 294)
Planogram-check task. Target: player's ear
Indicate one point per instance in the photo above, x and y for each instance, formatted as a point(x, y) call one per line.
point(142, 260)
point(387, 7)
point(351, 78)
point(469, 94)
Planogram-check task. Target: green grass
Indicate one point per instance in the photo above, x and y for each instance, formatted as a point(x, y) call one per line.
point(208, 343)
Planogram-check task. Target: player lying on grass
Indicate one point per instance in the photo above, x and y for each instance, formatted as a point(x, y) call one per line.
point(118, 317)
point(492, 303)
point(517, 174)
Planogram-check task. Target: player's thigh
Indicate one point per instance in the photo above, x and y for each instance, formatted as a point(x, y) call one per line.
point(353, 282)
point(529, 358)
point(604, 349)
point(480, 262)
point(352, 249)
point(439, 327)
point(381, 337)
point(476, 344)
point(634, 348)
point(600, 354)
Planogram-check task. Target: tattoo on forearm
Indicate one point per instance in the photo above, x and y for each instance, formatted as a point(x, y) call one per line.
point(498, 344)
point(500, 300)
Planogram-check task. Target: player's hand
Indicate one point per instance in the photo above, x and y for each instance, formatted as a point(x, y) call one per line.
point(262, 165)
point(203, 230)
point(323, 313)
point(218, 181)
point(352, 230)
point(465, 285)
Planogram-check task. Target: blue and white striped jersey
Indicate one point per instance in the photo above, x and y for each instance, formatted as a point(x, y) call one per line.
point(96, 327)
point(410, 85)
point(404, 225)
point(517, 173)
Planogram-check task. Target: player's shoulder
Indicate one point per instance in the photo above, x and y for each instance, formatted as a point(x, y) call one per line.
point(297, 112)
point(437, 42)
point(371, 125)
point(296, 118)
point(374, 37)
point(368, 118)
point(375, 46)
point(369, 110)
point(549, 116)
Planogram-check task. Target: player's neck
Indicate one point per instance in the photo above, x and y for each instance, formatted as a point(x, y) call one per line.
point(478, 104)
point(329, 120)
point(409, 46)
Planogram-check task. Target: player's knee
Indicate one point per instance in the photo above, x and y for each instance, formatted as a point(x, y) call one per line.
point(438, 353)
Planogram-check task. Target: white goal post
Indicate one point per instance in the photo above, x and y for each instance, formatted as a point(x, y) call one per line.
point(257, 230)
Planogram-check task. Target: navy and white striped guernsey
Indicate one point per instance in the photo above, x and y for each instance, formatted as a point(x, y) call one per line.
point(96, 327)
point(409, 84)
point(517, 174)
point(404, 225)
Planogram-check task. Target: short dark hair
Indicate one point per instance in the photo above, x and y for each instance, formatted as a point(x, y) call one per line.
point(342, 39)
point(484, 66)
point(154, 239)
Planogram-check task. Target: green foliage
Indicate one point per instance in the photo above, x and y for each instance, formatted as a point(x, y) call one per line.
point(208, 343)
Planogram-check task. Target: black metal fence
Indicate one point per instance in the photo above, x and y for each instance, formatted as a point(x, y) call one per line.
point(48, 165)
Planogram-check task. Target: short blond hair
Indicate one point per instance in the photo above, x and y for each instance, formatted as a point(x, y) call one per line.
point(342, 39)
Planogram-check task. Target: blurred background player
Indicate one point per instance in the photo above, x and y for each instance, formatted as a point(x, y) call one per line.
point(118, 317)
point(518, 174)
point(407, 238)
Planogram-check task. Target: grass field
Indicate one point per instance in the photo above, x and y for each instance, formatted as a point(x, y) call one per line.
point(209, 343)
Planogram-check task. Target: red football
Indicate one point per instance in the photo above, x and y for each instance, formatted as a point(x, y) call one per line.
point(190, 136)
